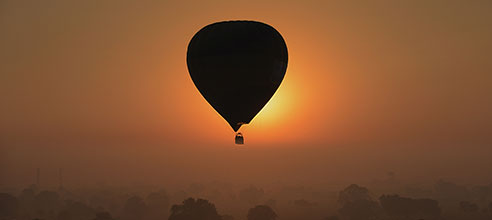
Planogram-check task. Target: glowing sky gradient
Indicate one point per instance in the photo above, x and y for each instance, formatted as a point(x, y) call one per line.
point(396, 79)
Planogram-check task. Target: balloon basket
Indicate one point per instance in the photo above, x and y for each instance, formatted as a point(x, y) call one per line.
point(239, 139)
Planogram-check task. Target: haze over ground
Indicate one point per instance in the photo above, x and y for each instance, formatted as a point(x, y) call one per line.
point(101, 90)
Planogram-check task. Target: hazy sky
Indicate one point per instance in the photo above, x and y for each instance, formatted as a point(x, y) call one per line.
point(101, 88)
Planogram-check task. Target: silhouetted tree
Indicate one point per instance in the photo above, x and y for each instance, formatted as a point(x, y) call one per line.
point(468, 207)
point(357, 203)
point(361, 210)
point(103, 216)
point(396, 206)
point(450, 193)
point(134, 208)
point(428, 207)
point(76, 211)
point(353, 193)
point(261, 212)
point(9, 206)
point(401, 207)
point(192, 209)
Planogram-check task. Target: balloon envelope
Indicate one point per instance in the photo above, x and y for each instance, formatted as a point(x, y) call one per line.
point(237, 66)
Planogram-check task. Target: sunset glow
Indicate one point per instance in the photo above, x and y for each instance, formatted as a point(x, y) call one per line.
point(369, 86)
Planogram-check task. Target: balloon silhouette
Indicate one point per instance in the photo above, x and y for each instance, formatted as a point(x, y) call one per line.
point(237, 66)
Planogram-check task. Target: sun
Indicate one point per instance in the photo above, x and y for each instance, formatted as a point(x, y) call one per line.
point(274, 122)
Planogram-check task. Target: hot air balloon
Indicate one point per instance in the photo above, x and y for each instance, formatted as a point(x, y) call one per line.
point(237, 66)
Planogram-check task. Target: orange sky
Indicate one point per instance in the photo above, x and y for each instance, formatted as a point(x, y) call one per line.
point(396, 75)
